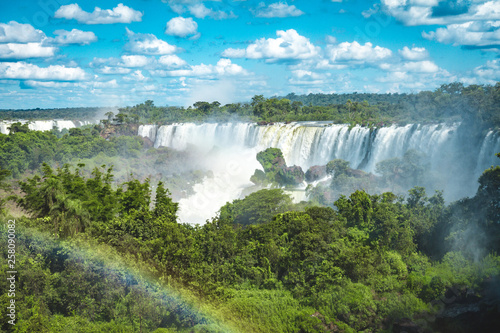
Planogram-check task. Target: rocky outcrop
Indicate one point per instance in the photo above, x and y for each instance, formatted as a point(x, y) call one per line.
point(271, 159)
point(316, 172)
point(290, 175)
point(276, 170)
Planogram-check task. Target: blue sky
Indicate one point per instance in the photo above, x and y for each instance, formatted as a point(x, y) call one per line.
point(58, 53)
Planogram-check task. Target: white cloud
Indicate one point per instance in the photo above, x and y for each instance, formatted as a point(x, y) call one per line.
point(172, 61)
point(119, 14)
point(134, 61)
point(106, 84)
point(136, 76)
point(308, 78)
point(278, 9)
point(14, 32)
point(199, 10)
point(111, 70)
point(25, 71)
point(181, 27)
point(423, 12)
point(357, 53)
point(470, 34)
point(289, 45)
point(224, 67)
point(414, 54)
point(24, 51)
point(489, 72)
point(48, 84)
point(425, 66)
point(148, 44)
point(74, 36)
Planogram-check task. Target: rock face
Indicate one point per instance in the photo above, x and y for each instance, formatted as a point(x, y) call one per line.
point(290, 175)
point(315, 173)
point(276, 170)
point(271, 159)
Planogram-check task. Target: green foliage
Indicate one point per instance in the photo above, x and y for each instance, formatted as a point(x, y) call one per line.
point(453, 102)
point(256, 208)
point(259, 265)
point(337, 167)
point(28, 150)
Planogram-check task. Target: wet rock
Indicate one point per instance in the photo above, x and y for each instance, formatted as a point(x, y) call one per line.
point(315, 173)
point(290, 175)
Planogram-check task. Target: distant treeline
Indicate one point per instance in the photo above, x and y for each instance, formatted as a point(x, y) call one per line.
point(451, 102)
point(81, 113)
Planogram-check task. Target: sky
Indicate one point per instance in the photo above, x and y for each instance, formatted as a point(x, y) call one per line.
point(58, 53)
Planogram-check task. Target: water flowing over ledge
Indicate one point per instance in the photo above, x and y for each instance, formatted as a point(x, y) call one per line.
point(455, 153)
point(46, 125)
point(312, 143)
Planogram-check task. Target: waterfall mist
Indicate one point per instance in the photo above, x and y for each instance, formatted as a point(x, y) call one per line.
point(455, 157)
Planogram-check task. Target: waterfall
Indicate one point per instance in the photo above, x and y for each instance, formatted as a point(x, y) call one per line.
point(311, 143)
point(452, 155)
point(46, 125)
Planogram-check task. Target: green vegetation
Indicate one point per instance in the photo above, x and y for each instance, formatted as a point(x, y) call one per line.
point(275, 170)
point(49, 114)
point(263, 265)
point(451, 102)
point(101, 250)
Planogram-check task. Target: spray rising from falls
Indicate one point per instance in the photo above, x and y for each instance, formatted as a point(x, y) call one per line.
point(453, 153)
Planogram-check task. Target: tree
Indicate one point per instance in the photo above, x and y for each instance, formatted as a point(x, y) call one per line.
point(258, 207)
point(204, 107)
point(18, 128)
point(110, 115)
point(164, 206)
point(3, 186)
point(337, 167)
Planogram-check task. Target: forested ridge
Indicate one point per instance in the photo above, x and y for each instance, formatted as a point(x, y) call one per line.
point(451, 102)
point(82, 113)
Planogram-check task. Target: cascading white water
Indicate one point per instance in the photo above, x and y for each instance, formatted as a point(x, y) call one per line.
point(307, 144)
point(315, 143)
point(46, 125)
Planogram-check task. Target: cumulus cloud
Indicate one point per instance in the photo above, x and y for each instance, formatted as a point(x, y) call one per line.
point(24, 51)
point(278, 9)
point(74, 36)
point(182, 27)
point(172, 61)
point(27, 71)
point(489, 72)
point(112, 70)
point(119, 14)
point(414, 54)
point(288, 46)
point(198, 9)
point(148, 44)
point(224, 67)
point(430, 12)
point(136, 76)
point(356, 53)
point(307, 77)
point(425, 66)
point(479, 34)
point(134, 61)
point(14, 32)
